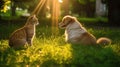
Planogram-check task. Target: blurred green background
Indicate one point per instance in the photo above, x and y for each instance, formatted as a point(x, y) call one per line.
point(99, 17)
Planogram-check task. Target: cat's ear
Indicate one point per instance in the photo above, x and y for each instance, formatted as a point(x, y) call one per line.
point(32, 16)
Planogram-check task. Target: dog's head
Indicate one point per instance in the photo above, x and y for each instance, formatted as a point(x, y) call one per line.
point(66, 21)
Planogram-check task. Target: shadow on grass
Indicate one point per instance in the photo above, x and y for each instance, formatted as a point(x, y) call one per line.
point(91, 56)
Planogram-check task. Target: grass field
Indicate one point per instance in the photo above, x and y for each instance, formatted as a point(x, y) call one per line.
point(50, 50)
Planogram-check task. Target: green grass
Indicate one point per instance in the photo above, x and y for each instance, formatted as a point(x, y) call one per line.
point(93, 20)
point(49, 50)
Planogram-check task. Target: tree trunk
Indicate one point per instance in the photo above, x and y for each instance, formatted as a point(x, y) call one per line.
point(114, 12)
point(13, 9)
point(90, 9)
point(100, 8)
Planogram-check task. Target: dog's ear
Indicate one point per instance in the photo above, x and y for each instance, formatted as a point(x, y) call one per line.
point(73, 19)
point(69, 18)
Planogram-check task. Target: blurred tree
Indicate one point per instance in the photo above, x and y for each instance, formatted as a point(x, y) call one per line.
point(83, 7)
point(101, 8)
point(3, 5)
point(13, 8)
point(24, 4)
point(114, 11)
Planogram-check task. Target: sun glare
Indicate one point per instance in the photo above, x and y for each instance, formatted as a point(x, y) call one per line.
point(60, 1)
point(55, 12)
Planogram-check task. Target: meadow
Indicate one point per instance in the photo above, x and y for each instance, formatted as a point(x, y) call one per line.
point(50, 50)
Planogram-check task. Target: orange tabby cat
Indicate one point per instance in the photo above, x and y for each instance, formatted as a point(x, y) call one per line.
point(25, 34)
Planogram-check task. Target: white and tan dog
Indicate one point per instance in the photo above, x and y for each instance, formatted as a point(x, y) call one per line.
point(75, 33)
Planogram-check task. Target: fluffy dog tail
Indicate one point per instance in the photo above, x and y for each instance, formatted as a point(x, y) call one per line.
point(104, 41)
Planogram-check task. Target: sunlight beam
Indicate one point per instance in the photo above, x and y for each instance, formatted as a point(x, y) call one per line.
point(39, 6)
point(55, 6)
point(55, 16)
point(44, 1)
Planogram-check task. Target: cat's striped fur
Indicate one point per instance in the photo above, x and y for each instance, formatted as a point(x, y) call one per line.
point(24, 35)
